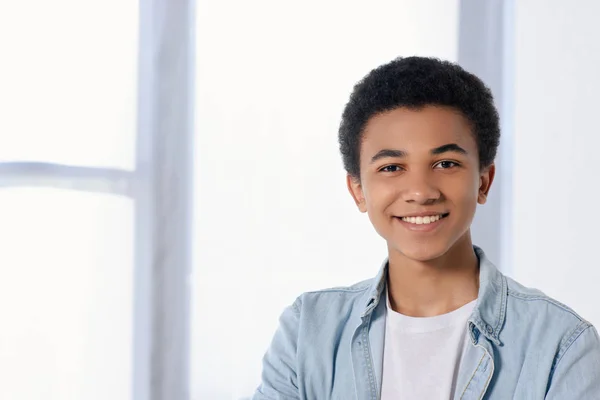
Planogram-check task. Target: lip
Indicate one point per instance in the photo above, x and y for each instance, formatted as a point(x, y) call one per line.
point(424, 214)
point(432, 226)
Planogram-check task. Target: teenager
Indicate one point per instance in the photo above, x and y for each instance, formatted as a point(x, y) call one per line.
point(418, 139)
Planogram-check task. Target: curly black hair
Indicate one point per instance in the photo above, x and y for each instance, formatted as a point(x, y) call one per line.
point(416, 82)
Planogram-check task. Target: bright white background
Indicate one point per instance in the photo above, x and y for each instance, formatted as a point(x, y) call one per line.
point(556, 139)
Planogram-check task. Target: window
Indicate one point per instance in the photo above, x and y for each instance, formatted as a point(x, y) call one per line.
point(79, 195)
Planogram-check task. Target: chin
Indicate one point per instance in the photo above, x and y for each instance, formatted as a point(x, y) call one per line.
point(422, 252)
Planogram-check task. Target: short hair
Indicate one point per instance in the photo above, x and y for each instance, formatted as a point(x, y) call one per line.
point(416, 82)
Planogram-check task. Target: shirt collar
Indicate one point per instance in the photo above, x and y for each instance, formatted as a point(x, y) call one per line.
point(490, 310)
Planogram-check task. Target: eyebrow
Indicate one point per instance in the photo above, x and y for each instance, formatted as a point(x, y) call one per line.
point(385, 153)
point(392, 153)
point(452, 147)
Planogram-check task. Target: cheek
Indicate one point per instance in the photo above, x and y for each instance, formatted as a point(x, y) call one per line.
point(464, 194)
point(379, 199)
point(379, 196)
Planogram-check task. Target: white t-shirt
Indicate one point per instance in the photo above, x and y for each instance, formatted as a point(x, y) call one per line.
point(421, 355)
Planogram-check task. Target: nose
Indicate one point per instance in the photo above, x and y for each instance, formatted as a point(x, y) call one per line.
point(420, 189)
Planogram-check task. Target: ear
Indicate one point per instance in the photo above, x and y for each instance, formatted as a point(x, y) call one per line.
point(485, 183)
point(355, 189)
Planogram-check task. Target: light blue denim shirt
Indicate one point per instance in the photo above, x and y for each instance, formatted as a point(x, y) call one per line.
point(524, 345)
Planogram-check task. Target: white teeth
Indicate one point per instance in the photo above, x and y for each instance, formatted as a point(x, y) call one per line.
point(422, 220)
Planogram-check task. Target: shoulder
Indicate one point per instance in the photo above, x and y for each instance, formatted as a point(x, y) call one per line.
point(536, 314)
point(358, 287)
point(335, 294)
point(333, 303)
point(535, 300)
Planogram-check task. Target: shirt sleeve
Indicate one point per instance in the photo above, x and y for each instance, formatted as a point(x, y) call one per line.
point(577, 373)
point(279, 378)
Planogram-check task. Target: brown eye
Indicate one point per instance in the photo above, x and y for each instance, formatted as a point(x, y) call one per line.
point(390, 168)
point(446, 164)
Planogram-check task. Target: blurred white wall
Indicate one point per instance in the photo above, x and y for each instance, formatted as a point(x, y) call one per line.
point(273, 216)
point(556, 141)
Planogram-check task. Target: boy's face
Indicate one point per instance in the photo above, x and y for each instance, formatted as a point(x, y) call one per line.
point(420, 179)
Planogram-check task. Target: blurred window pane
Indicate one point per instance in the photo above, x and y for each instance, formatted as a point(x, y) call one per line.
point(66, 287)
point(68, 82)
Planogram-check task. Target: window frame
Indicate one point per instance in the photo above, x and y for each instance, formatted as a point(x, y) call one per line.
point(486, 48)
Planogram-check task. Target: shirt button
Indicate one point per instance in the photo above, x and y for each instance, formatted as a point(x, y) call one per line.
point(489, 329)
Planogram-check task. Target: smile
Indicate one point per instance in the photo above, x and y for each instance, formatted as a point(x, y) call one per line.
point(424, 220)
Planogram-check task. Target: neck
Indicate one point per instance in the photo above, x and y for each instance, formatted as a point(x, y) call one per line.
point(434, 287)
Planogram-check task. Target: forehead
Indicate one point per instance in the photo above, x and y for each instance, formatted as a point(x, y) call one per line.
point(417, 130)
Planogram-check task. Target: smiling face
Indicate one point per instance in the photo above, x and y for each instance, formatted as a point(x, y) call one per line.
point(420, 180)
